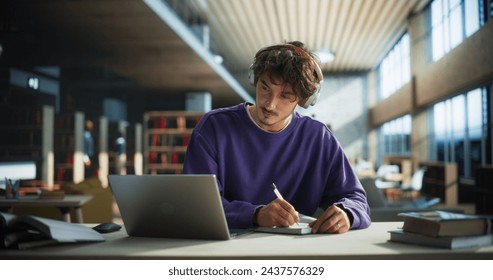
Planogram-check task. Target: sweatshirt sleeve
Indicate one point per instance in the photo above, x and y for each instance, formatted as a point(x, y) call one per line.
point(344, 188)
point(201, 158)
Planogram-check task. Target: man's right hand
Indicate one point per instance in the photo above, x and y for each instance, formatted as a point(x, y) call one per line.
point(277, 213)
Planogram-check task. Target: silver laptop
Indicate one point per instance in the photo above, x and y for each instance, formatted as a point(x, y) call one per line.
point(170, 206)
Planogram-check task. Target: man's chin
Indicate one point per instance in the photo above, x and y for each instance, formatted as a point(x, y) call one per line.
point(267, 124)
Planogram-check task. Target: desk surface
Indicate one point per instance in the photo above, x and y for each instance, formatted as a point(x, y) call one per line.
point(369, 243)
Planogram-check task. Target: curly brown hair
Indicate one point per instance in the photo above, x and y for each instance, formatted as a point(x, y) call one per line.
point(292, 63)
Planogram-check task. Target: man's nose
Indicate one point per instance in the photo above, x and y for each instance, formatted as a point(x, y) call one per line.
point(271, 102)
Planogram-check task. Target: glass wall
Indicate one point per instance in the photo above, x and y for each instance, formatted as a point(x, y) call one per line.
point(395, 137)
point(395, 69)
point(449, 22)
point(459, 130)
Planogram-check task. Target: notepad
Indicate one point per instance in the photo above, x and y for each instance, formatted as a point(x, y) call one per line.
point(297, 229)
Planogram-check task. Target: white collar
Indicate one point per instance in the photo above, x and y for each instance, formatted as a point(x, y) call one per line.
point(253, 120)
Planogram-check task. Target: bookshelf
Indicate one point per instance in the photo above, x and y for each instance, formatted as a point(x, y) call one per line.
point(483, 190)
point(166, 136)
point(27, 136)
point(21, 128)
point(441, 180)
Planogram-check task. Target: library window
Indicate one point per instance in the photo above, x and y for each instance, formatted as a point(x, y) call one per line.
point(459, 131)
point(395, 137)
point(395, 69)
point(491, 9)
point(449, 22)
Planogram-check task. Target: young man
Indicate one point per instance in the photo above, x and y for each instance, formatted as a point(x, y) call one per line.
point(89, 151)
point(250, 147)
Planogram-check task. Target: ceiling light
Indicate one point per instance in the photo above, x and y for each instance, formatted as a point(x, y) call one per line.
point(325, 55)
point(218, 59)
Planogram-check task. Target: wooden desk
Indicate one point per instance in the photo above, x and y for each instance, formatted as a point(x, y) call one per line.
point(64, 204)
point(369, 243)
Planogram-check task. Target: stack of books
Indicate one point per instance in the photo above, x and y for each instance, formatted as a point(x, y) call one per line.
point(444, 229)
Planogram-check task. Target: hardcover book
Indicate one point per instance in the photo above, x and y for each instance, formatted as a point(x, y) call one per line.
point(449, 242)
point(24, 232)
point(443, 223)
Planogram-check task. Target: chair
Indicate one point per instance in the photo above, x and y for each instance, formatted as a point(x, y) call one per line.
point(383, 173)
point(382, 210)
point(413, 190)
point(374, 196)
point(364, 168)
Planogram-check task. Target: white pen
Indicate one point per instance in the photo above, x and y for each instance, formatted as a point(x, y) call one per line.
point(278, 195)
point(276, 191)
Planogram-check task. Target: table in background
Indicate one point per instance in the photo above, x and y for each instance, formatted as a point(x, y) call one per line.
point(64, 204)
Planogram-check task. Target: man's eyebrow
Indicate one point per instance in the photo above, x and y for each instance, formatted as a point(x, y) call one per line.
point(288, 91)
point(263, 82)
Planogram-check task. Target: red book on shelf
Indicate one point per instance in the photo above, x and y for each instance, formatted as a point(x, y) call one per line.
point(174, 158)
point(155, 140)
point(152, 158)
point(60, 174)
point(162, 122)
point(186, 140)
point(70, 159)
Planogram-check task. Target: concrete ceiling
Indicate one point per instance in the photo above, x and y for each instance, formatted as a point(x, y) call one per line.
point(134, 43)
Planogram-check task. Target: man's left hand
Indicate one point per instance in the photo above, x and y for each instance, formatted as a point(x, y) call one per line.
point(333, 220)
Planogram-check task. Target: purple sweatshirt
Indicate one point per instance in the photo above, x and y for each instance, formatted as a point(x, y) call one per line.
point(305, 161)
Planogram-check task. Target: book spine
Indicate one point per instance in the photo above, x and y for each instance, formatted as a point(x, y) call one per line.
point(422, 226)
